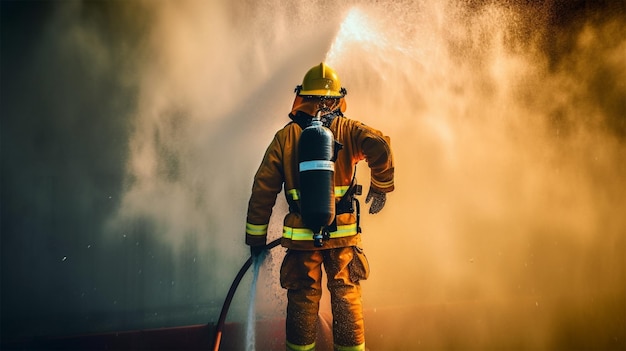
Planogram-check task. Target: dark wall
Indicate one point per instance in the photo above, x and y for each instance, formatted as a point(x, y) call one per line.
point(65, 125)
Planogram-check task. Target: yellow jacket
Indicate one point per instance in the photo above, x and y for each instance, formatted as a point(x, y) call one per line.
point(280, 168)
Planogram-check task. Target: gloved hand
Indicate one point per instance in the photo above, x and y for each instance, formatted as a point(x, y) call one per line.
point(378, 199)
point(256, 250)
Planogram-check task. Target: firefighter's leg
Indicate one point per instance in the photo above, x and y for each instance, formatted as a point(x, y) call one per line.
point(301, 275)
point(345, 270)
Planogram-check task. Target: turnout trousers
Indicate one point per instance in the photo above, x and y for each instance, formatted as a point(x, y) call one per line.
point(301, 275)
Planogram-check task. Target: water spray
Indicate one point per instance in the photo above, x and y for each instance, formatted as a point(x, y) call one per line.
point(251, 321)
point(354, 28)
point(219, 329)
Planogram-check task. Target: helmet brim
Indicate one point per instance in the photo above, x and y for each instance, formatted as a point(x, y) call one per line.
point(320, 93)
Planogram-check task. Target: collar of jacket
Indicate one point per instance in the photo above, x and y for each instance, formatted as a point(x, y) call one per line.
point(310, 105)
point(304, 120)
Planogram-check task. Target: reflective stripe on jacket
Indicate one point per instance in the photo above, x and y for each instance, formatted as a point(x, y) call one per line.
point(279, 169)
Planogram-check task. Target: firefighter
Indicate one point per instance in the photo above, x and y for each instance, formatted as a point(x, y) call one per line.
point(340, 254)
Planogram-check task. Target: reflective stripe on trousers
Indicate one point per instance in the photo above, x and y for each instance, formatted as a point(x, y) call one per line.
point(293, 347)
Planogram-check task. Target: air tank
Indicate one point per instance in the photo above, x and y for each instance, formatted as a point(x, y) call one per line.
point(317, 177)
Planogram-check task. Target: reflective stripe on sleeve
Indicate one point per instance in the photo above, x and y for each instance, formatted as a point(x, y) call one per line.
point(382, 185)
point(299, 234)
point(256, 229)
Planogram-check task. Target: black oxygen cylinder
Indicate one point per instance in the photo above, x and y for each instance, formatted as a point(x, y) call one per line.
point(317, 178)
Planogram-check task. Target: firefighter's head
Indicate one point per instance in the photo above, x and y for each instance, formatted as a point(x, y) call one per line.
point(322, 82)
point(320, 90)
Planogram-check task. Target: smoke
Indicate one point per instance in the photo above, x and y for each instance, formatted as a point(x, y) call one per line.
point(215, 85)
point(506, 119)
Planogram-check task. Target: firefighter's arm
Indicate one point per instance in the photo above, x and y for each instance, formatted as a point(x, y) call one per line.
point(268, 182)
point(376, 149)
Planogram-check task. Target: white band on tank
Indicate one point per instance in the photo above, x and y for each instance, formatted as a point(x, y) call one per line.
point(317, 165)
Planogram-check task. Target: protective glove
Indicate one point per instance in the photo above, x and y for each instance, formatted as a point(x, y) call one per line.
point(256, 250)
point(377, 198)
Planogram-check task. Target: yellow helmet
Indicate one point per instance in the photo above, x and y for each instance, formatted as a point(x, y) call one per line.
point(321, 80)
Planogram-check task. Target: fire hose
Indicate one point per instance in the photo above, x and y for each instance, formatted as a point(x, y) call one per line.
point(231, 293)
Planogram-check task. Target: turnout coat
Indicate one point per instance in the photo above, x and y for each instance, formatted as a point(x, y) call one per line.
point(279, 169)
